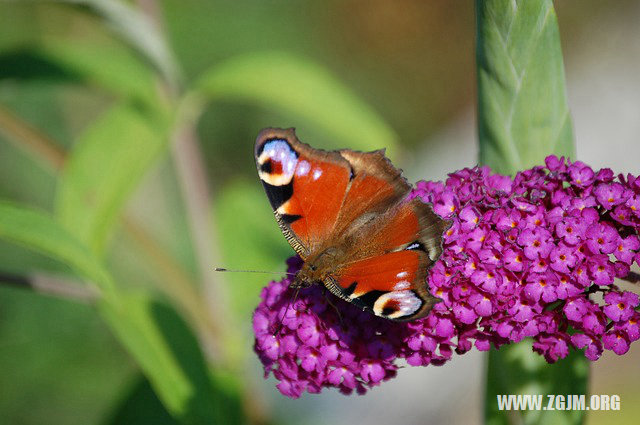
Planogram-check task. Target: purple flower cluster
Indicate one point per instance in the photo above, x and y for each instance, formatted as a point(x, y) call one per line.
point(533, 256)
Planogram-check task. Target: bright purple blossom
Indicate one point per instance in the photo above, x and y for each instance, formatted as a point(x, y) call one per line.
point(570, 229)
point(602, 238)
point(610, 195)
point(626, 248)
point(514, 259)
point(536, 243)
point(581, 174)
point(592, 346)
point(530, 257)
point(616, 341)
point(620, 306)
point(631, 327)
point(563, 258)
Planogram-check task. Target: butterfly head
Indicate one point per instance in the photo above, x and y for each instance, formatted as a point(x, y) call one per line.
point(318, 268)
point(308, 275)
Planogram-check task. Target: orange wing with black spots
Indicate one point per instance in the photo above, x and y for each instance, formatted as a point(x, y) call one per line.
point(351, 207)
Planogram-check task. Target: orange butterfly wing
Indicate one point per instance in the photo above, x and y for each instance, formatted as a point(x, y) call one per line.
point(316, 194)
point(353, 203)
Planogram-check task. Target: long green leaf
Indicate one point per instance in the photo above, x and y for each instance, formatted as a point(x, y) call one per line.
point(300, 88)
point(141, 406)
point(251, 240)
point(138, 31)
point(153, 333)
point(111, 67)
point(169, 354)
point(108, 66)
point(36, 230)
point(49, 348)
point(105, 166)
point(523, 117)
point(522, 105)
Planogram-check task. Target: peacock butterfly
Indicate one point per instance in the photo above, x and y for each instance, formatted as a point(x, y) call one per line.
point(347, 215)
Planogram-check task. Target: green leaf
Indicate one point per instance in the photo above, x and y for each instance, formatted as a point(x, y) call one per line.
point(138, 31)
point(303, 89)
point(53, 351)
point(140, 407)
point(153, 333)
point(108, 66)
point(169, 354)
point(522, 104)
point(515, 369)
point(105, 166)
point(252, 241)
point(111, 67)
point(36, 230)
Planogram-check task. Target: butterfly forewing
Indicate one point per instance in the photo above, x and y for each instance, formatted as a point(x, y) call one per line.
point(305, 187)
point(374, 188)
point(316, 194)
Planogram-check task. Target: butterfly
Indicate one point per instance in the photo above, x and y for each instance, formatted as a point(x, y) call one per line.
point(347, 215)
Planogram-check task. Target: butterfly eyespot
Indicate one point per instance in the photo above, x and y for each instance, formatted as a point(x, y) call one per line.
point(267, 167)
point(390, 307)
point(397, 304)
point(276, 162)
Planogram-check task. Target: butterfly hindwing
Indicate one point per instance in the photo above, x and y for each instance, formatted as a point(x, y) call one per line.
point(387, 275)
point(389, 285)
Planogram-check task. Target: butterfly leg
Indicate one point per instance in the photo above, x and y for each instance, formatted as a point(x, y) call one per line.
point(291, 301)
point(328, 295)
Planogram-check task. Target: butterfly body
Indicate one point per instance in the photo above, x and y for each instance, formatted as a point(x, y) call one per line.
point(347, 215)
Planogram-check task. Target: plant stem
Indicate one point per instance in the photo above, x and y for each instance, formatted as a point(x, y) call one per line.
point(27, 137)
point(49, 285)
point(522, 117)
point(192, 178)
point(175, 282)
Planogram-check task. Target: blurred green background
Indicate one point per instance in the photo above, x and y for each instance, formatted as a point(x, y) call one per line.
point(131, 126)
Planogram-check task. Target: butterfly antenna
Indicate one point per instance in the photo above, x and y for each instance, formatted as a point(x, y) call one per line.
point(286, 310)
point(222, 269)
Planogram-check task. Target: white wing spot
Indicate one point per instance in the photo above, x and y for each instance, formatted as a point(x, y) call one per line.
point(303, 168)
point(402, 285)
